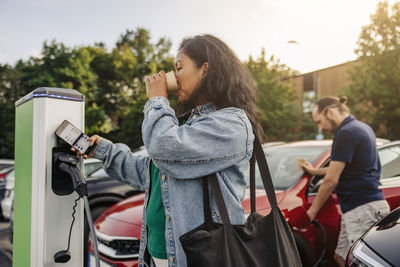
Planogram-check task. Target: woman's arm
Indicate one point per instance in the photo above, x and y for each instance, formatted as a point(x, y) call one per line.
point(211, 143)
point(123, 165)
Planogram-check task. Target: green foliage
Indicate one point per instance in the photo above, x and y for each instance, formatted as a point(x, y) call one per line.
point(276, 101)
point(133, 58)
point(110, 81)
point(373, 93)
point(9, 78)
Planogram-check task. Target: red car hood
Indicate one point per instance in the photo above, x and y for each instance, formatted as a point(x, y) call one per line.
point(130, 210)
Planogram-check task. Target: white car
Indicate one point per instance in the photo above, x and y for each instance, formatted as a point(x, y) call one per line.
point(6, 166)
point(4, 163)
point(7, 202)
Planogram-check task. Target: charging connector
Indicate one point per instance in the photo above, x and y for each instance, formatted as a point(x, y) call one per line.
point(69, 164)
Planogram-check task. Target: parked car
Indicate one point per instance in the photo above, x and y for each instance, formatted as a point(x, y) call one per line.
point(118, 228)
point(379, 246)
point(8, 200)
point(6, 166)
point(6, 163)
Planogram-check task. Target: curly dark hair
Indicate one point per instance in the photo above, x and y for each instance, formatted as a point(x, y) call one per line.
point(227, 82)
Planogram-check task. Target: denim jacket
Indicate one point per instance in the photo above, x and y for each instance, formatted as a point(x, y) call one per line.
point(211, 141)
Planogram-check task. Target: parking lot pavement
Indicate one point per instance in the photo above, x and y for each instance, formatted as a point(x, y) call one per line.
point(5, 246)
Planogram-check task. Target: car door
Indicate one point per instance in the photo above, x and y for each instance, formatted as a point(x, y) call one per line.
point(389, 156)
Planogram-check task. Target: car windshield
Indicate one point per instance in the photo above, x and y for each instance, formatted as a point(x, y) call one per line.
point(282, 162)
point(390, 160)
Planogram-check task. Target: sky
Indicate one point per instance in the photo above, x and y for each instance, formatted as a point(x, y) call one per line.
point(306, 35)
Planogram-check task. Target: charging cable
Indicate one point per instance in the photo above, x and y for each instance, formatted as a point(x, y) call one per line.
point(69, 164)
point(318, 224)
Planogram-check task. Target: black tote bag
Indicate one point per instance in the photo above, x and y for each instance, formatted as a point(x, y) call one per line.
point(261, 241)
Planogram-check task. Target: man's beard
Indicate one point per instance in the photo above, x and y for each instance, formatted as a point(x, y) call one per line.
point(334, 127)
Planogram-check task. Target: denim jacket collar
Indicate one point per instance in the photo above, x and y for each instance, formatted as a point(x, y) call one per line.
point(202, 110)
point(197, 111)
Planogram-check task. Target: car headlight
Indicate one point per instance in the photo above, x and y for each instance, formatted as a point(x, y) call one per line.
point(361, 255)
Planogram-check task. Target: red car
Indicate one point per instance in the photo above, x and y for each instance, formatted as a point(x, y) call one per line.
point(118, 228)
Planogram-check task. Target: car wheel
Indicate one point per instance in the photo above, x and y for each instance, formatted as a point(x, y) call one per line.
point(306, 255)
point(96, 212)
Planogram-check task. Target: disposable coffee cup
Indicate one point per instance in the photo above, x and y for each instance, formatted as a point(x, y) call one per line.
point(172, 84)
point(299, 162)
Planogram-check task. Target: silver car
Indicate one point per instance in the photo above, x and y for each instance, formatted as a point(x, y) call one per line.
point(7, 202)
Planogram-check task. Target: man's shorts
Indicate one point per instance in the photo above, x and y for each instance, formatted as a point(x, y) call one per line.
point(357, 221)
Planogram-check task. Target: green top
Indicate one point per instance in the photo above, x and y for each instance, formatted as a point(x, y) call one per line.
point(155, 218)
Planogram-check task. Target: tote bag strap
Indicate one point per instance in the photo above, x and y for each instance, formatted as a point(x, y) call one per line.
point(253, 183)
point(265, 175)
point(259, 156)
point(219, 199)
point(206, 202)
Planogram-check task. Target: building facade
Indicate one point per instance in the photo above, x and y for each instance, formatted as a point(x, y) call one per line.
point(324, 82)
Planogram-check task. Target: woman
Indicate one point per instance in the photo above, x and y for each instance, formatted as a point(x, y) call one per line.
point(215, 137)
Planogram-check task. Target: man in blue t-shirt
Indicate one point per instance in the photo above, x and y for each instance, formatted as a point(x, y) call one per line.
point(354, 171)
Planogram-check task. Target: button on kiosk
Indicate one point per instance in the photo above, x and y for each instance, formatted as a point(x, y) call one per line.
point(48, 216)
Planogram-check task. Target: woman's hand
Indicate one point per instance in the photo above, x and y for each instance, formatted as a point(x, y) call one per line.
point(94, 139)
point(156, 85)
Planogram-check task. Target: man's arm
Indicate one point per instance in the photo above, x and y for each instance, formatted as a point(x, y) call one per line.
point(327, 187)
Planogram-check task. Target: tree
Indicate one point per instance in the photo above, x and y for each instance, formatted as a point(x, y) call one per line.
point(276, 101)
point(133, 57)
point(373, 93)
point(112, 83)
point(9, 79)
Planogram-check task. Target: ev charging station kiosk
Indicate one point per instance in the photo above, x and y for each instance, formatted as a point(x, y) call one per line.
point(42, 218)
